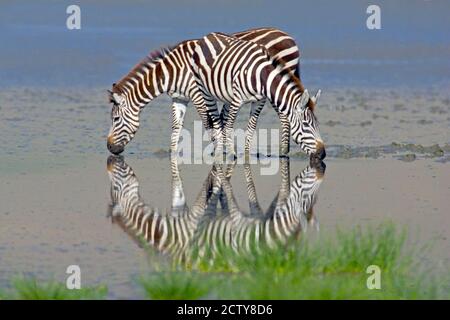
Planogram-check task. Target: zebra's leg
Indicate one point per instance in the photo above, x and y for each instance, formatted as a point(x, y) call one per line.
point(224, 113)
point(283, 192)
point(227, 171)
point(215, 128)
point(252, 123)
point(207, 109)
point(178, 197)
point(228, 129)
point(230, 169)
point(211, 120)
point(285, 186)
point(215, 122)
point(178, 113)
point(251, 191)
point(285, 135)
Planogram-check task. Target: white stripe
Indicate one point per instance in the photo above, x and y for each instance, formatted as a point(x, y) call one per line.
point(276, 40)
point(210, 47)
point(166, 76)
point(263, 36)
point(285, 52)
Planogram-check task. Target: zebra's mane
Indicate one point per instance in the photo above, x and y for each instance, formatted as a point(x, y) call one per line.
point(152, 58)
point(278, 63)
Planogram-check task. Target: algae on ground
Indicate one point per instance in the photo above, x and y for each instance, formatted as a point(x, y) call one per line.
point(409, 157)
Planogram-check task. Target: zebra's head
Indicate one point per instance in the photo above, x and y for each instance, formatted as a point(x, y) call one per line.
point(124, 184)
point(305, 128)
point(307, 183)
point(124, 122)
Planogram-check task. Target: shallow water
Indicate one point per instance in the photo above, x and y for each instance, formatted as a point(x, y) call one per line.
point(51, 121)
point(55, 188)
point(384, 114)
point(54, 219)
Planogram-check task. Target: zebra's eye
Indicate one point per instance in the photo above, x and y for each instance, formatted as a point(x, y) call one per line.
point(116, 118)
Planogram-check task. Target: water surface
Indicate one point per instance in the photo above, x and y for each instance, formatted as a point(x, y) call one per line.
point(384, 115)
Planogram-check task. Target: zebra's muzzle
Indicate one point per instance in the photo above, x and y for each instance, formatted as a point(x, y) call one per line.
point(319, 165)
point(320, 151)
point(115, 149)
point(112, 147)
point(113, 161)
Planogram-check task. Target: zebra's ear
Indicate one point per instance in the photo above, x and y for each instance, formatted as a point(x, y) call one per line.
point(316, 97)
point(110, 96)
point(115, 98)
point(304, 99)
point(313, 102)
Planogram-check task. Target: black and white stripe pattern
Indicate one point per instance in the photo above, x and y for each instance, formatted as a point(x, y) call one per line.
point(280, 46)
point(290, 213)
point(215, 219)
point(165, 71)
point(168, 71)
point(169, 232)
point(236, 72)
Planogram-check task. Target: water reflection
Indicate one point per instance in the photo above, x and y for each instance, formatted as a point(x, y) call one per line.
point(214, 219)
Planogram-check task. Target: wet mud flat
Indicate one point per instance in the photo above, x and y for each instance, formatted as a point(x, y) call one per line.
point(384, 115)
point(388, 154)
point(54, 219)
point(354, 122)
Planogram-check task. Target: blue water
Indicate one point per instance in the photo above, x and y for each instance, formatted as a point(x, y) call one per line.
point(411, 49)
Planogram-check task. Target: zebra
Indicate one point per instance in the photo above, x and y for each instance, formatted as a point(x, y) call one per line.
point(289, 214)
point(236, 72)
point(168, 71)
point(215, 219)
point(168, 231)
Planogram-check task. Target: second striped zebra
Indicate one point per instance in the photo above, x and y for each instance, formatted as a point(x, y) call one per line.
point(236, 72)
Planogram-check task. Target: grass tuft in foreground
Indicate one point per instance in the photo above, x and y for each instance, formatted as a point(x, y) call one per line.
point(176, 285)
point(31, 289)
point(325, 269)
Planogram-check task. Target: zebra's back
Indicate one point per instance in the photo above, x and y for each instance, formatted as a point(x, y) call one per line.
point(278, 43)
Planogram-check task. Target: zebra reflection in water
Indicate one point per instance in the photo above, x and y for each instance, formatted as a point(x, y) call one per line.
point(214, 220)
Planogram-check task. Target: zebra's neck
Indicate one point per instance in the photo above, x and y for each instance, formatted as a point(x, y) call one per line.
point(160, 72)
point(283, 89)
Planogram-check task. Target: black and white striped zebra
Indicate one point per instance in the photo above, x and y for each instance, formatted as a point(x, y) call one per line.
point(289, 214)
point(169, 231)
point(236, 72)
point(215, 219)
point(168, 71)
